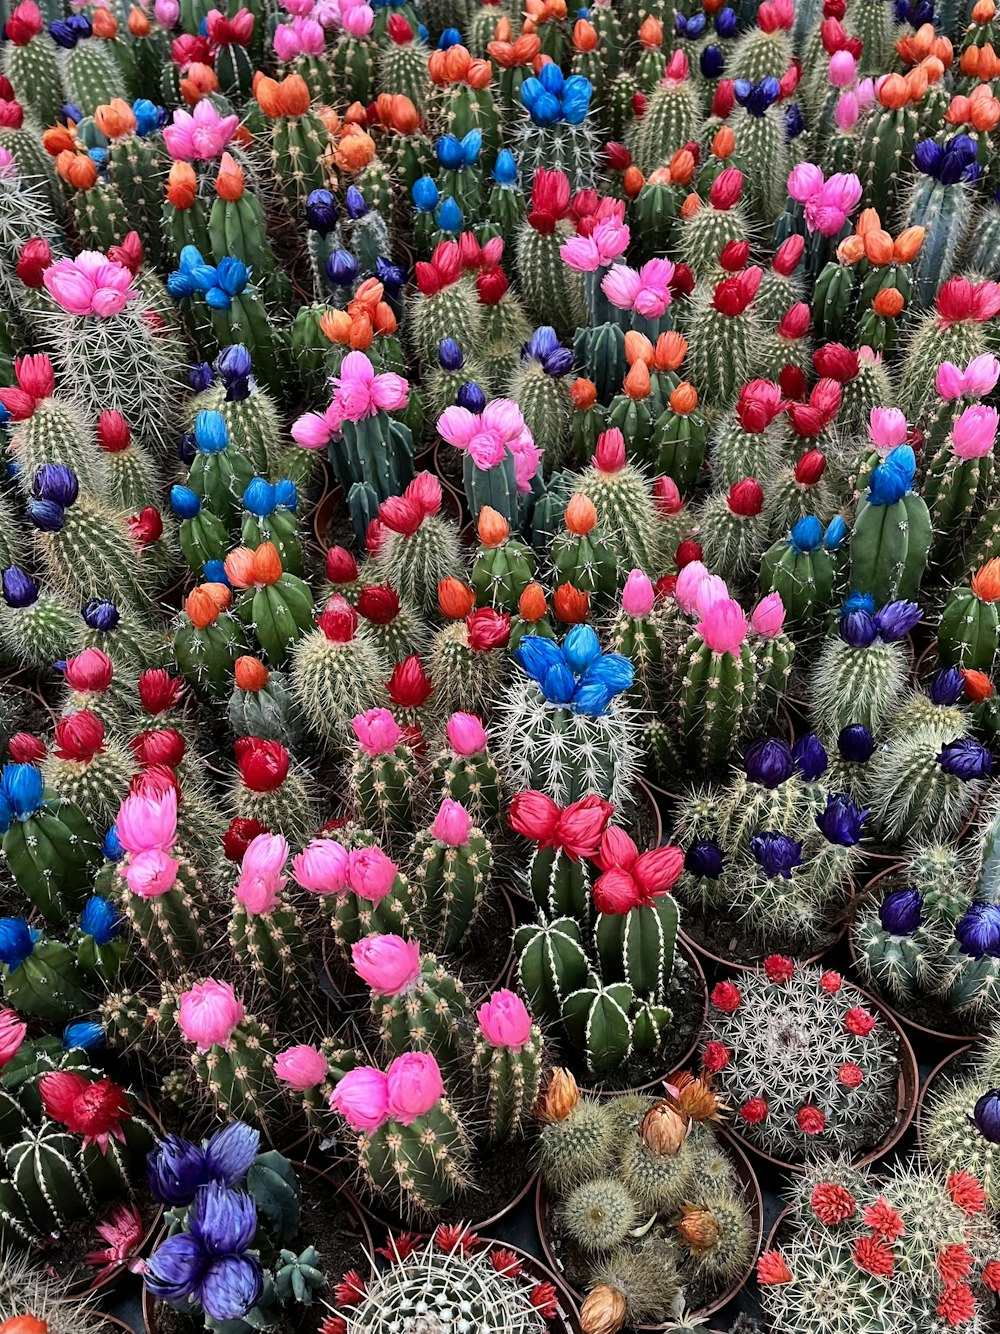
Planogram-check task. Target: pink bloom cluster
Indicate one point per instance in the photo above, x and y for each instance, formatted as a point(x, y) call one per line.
point(489, 436)
point(723, 624)
point(261, 881)
point(301, 37)
point(608, 240)
point(828, 203)
point(977, 380)
point(367, 1098)
point(358, 393)
point(645, 290)
point(208, 1013)
point(90, 284)
point(147, 828)
point(326, 867)
point(199, 135)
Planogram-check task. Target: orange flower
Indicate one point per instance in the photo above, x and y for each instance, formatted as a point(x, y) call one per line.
point(138, 23)
point(182, 185)
point(571, 605)
point(584, 36)
point(385, 318)
point(531, 604)
point(684, 399)
point(221, 594)
point(230, 182)
point(355, 150)
point(661, 176)
point(651, 33)
point(637, 383)
point(200, 608)
point(457, 62)
point(581, 515)
point(336, 325)
point(682, 166)
point(851, 249)
point(479, 74)
point(983, 11)
point(638, 348)
point(632, 181)
point(105, 25)
point(492, 527)
point(889, 303)
point(59, 139)
point(724, 143)
point(893, 92)
point(455, 599)
point(250, 674)
point(916, 82)
point(503, 32)
point(199, 81)
point(978, 686)
point(986, 581)
point(115, 119)
point(403, 115)
point(696, 1098)
point(698, 1228)
point(366, 298)
point(917, 45)
point(559, 1097)
point(239, 567)
point(583, 393)
point(690, 206)
point(266, 564)
point(907, 245)
point(603, 1311)
point(77, 169)
point(24, 1324)
point(984, 112)
point(671, 349)
point(288, 97)
point(361, 335)
point(330, 119)
point(868, 221)
point(878, 248)
point(356, 114)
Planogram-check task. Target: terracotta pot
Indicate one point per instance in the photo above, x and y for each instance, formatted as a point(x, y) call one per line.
point(876, 888)
point(680, 1062)
point(149, 1303)
point(949, 1066)
point(111, 1322)
point(382, 1219)
point(751, 1195)
point(907, 1086)
point(323, 514)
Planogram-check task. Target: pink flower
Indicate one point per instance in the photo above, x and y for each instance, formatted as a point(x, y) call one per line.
point(261, 880)
point(489, 436)
point(646, 291)
point(804, 181)
point(768, 617)
point(123, 1230)
point(371, 874)
point(847, 111)
point(974, 433)
point(167, 12)
point(8, 167)
point(357, 20)
point(609, 239)
point(389, 964)
point(148, 822)
point(362, 1098)
point(321, 867)
point(313, 429)
point(150, 874)
point(688, 581)
point(12, 1031)
point(637, 595)
point(504, 1021)
point(887, 428)
point(976, 381)
point(301, 1067)
point(301, 37)
point(414, 1086)
point(360, 393)
point(827, 203)
point(90, 284)
point(723, 626)
point(466, 734)
point(201, 135)
point(842, 69)
point(208, 1013)
point(377, 731)
point(452, 824)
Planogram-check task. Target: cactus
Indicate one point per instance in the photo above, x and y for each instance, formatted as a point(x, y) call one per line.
point(671, 118)
point(421, 547)
point(732, 528)
point(724, 337)
point(959, 1136)
point(454, 863)
point(926, 783)
point(208, 641)
point(625, 507)
point(49, 846)
point(336, 673)
point(802, 571)
point(262, 705)
point(860, 677)
point(464, 771)
point(267, 790)
point(970, 625)
point(238, 1071)
point(269, 940)
point(38, 628)
point(581, 557)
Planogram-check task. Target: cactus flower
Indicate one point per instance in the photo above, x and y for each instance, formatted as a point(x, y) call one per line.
point(90, 284)
point(301, 1067)
point(377, 732)
point(261, 880)
point(362, 1099)
point(208, 1013)
point(504, 1021)
point(321, 867)
point(200, 135)
point(413, 1085)
point(388, 964)
point(975, 432)
point(452, 824)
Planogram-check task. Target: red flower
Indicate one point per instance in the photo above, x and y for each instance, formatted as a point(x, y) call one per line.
point(399, 1248)
point(544, 1299)
point(535, 816)
point(795, 321)
point(94, 1110)
point(451, 1235)
point(832, 1203)
point(487, 629)
point(113, 434)
point(726, 189)
point(350, 1289)
point(966, 1192)
point(850, 1075)
point(726, 997)
point(884, 1220)
point(505, 1262)
point(444, 268)
point(79, 736)
point(758, 404)
point(401, 515)
point(874, 1256)
point(772, 1269)
point(238, 837)
point(954, 1263)
point(834, 361)
point(811, 1120)
point(779, 968)
point(957, 1304)
point(746, 498)
point(338, 621)
point(859, 1021)
point(90, 672)
point(333, 1324)
point(123, 1230)
point(341, 567)
point(581, 826)
point(787, 257)
point(733, 295)
point(492, 285)
point(716, 1056)
point(146, 526)
point(159, 745)
point(734, 255)
point(831, 982)
point(23, 748)
point(378, 603)
point(34, 259)
point(991, 1275)
point(159, 691)
point(263, 765)
point(687, 553)
point(754, 1110)
point(810, 467)
point(615, 893)
point(409, 686)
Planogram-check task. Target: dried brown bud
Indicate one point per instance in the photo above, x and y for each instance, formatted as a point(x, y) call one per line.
point(696, 1098)
point(559, 1097)
point(698, 1228)
point(664, 1130)
point(603, 1311)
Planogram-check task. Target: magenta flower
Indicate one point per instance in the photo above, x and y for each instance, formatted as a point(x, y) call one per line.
point(504, 1021)
point(842, 69)
point(261, 880)
point(490, 435)
point(90, 284)
point(977, 380)
point(827, 203)
point(301, 37)
point(147, 822)
point(362, 1099)
point(975, 432)
point(887, 428)
point(377, 731)
point(12, 1031)
point(696, 589)
point(371, 874)
point(452, 824)
point(301, 1067)
point(414, 1085)
point(321, 868)
point(609, 239)
point(389, 964)
point(360, 393)
point(150, 874)
point(637, 595)
point(208, 1013)
point(723, 626)
point(646, 290)
point(847, 111)
point(313, 430)
point(200, 135)
point(768, 617)
point(466, 734)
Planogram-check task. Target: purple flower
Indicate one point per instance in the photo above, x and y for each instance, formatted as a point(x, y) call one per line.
point(704, 859)
point(769, 762)
point(177, 1169)
point(966, 759)
point(896, 619)
point(55, 482)
point(810, 757)
point(858, 628)
point(776, 854)
point(841, 821)
point(100, 614)
point(947, 686)
point(209, 1263)
point(978, 930)
point(856, 744)
point(986, 1115)
point(321, 212)
point(46, 515)
point(450, 355)
point(900, 911)
point(542, 343)
point(470, 396)
point(200, 376)
point(19, 589)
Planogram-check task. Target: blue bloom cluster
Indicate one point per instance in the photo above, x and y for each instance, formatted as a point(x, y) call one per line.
point(577, 675)
point(950, 163)
point(544, 346)
point(21, 793)
point(453, 153)
point(218, 284)
point(808, 534)
point(860, 625)
point(757, 98)
point(552, 97)
point(893, 478)
point(262, 497)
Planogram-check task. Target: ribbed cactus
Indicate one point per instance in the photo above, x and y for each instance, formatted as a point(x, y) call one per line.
point(336, 673)
point(454, 862)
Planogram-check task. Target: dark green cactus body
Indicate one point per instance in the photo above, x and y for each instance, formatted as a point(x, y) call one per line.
point(279, 614)
point(207, 655)
point(968, 631)
point(52, 855)
point(889, 548)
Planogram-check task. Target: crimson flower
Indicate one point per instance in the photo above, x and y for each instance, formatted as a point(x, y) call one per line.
point(123, 1230)
point(93, 1109)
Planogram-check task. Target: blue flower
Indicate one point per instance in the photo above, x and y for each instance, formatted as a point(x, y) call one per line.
point(576, 94)
point(19, 589)
point(895, 620)
point(986, 1115)
point(215, 572)
point(726, 22)
point(259, 498)
point(341, 268)
point(810, 757)
point(927, 157)
point(757, 97)
point(704, 859)
point(775, 853)
point(17, 940)
point(859, 602)
point(559, 684)
point(184, 502)
point(892, 479)
point(232, 275)
point(947, 687)
point(807, 534)
point(505, 168)
point(80, 24)
point(112, 846)
point(592, 699)
point(712, 62)
point(286, 494)
point(23, 788)
point(85, 1035)
point(769, 762)
point(836, 534)
point(841, 821)
point(321, 212)
point(450, 355)
point(200, 376)
point(558, 363)
point(100, 919)
point(856, 744)
point(541, 343)
point(449, 216)
point(70, 113)
point(472, 146)
point(900, 911)
point(210, 432)
point(858, 629)
point(63, 35)
point(537, 655)
point(176, 1168)
point(449, 152)
point(148, 116)
point(209, 1263)
point(795, 123)
point(101, 614)
point(472, 397)
point(46, 515)
point(425, 195)
point(56, 482)
point(450, 37)
point(965, 759)
point(581, 647)
point(978, 930)
point(354, 202)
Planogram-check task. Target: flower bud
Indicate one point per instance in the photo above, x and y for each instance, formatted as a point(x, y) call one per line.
point(663, 1130)
point(603, 1310)
point(560, 1096)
